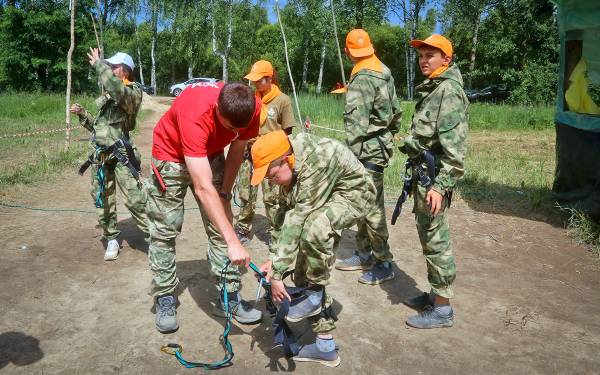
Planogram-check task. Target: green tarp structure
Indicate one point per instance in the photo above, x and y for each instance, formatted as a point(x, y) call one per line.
point(577, 177)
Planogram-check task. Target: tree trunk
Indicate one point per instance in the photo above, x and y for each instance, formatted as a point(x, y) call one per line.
point(73, 3)
point(473, 50)
point(153, 45)
point(137, 43)
point(224, 54)
point(322, 67)
point(190, 70)
point(304, 85)
point(101, 29)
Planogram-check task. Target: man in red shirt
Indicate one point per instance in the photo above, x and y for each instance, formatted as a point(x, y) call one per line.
point(188, 151)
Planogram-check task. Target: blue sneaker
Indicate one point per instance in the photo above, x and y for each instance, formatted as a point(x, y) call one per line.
point(322, 351)
point(166, 315)
point(309, 306)
point(440, 316)
point(356, 262)
point(380, 273)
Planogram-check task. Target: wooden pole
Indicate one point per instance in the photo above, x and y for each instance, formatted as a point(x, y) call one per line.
point(287, 60)
point(72, 4)
point(337, 43)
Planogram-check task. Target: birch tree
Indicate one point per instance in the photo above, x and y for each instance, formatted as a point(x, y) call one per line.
point(222, 53)
point(73, 4)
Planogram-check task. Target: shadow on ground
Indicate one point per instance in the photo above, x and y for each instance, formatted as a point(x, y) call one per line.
point(526, 202)
point(19, 349)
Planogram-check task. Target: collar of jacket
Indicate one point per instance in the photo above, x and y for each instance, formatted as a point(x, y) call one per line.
point(371, 63)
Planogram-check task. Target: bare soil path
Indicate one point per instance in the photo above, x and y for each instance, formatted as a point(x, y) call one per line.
point(527, 297)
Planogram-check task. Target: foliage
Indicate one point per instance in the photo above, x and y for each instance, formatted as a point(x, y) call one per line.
point(583, 229)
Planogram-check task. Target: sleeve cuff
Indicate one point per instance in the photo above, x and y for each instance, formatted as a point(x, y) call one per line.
point(439, 189)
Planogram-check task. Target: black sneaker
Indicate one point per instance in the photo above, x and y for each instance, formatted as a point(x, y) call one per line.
point(419, 302)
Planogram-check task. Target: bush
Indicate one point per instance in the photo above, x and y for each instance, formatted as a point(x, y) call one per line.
point(535, 84)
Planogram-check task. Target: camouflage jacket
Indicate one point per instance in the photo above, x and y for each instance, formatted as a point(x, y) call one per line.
point(324, 168)
point(372, 115)
point(440, 124)
point(118, 107)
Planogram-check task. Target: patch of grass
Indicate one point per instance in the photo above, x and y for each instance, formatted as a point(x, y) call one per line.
point(510, 158)
point(583, 229)
point(30, 158)
point(45, 167)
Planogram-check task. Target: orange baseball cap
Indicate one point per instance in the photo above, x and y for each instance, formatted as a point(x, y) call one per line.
point(261, 68)
point(359, 44)
point(267, 148)
point(436, 41)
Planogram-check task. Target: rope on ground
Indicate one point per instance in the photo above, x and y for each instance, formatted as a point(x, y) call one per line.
point(311, 125)
point(37, 132)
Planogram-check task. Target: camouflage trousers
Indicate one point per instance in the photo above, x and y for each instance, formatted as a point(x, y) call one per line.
point(117, 174)
point(247, 199)
point(434, 234)
point(165, 211)
point(319, 242)
point(372, 234)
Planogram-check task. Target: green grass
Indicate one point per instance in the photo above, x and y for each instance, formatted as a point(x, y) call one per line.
point(510, 159)
point(583, 229)
point(33, 158)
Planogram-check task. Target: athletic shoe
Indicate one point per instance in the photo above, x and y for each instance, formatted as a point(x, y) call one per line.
point(381, 272)
point(307, 307)
point(241, 310)
point(322, 351)
point(355, 262)
point(440, 316)
point(112, 250)
point(166, 315)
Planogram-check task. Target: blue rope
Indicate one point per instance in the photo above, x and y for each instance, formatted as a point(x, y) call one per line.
point(176, 349)
point(101, 178)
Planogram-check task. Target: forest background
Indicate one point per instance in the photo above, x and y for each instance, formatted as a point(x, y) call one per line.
point(512, 42)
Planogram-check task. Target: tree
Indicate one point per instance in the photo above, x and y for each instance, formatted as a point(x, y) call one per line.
point(409, 11)
point(223, 53)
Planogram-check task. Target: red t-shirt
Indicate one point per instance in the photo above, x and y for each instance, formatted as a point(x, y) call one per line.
point(191, 128)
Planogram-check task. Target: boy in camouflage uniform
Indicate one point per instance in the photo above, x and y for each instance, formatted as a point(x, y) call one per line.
point(324, 190)
point(439, 126)
point(119, 107)
point(371, 118)
point(276, 114)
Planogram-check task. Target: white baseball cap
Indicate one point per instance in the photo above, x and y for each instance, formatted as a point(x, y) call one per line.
point(121, 58)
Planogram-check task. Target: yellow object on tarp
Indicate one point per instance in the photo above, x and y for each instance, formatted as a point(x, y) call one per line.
point(577, 96)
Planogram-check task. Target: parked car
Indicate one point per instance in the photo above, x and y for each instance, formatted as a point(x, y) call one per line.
point(177, 88)
point(493, 93)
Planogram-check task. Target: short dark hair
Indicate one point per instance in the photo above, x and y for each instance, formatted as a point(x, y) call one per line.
point(237, 104)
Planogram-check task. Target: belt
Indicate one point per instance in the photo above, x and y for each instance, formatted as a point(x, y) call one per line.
point(373, 167)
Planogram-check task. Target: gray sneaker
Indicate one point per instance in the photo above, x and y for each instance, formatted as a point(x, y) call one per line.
point(166, 315)
point(241, 310)
point(381, 272)
point(321, 351)
point(433, 317)
point(419, 302)
point(355, 262)
point(309, 306)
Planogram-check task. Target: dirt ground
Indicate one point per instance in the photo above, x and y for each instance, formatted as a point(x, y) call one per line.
point(527, 299)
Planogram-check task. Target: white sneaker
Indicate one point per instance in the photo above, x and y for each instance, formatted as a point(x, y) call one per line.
point(112, 250)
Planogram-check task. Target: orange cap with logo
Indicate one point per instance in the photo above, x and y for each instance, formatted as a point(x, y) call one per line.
point(261, 68)
point(267, 148)
point(359, 44)
point(435, 40)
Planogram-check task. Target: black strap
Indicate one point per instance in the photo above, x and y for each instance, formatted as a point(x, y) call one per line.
point(373, 167)
point(87, 163)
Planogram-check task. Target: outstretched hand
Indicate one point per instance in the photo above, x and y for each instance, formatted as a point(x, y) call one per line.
point(76, 109)
point(93, 56)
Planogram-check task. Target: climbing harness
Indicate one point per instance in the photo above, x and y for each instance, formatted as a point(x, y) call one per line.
point(282, 336)
point(425, 177)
